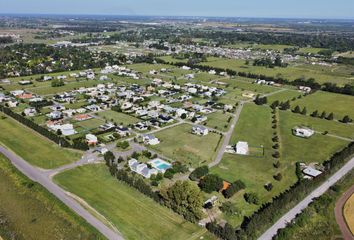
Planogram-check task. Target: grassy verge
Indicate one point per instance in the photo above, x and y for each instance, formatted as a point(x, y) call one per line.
point(28, 211)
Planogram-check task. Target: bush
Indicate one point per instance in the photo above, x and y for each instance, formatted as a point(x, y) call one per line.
point(251, 198)
point(199, 172)
point(278, 177)
point(234, 188)
point(211, 183)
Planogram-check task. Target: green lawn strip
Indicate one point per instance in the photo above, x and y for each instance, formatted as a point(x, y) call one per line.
point(339, 104)
point(219, 120)
point(118, 117)
point(33, 147)
point(135, 216)
point(284, 96)
point(178, 143)
point(26, 207)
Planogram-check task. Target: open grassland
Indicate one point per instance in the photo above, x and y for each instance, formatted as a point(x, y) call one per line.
point(32, 147)
point(29, 212)
point(220, 121)
point(317, 124)
point(254, 127)
point(321, 74)
point(284, 96)
point(178, 143)
point(349, 213)
point(135, 216)
point(339, 104)
point(117, 117)
point(89, 124)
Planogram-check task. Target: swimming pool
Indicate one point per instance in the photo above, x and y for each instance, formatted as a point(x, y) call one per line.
point(160, 165)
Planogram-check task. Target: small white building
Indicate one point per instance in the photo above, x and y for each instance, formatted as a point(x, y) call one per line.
point(242, 148)
point(310, 171)
point(91, 139)
point(200, 130)
point(303, 132)
point(150, 139)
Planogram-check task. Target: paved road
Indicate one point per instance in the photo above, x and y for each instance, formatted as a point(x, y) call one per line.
point(227, 136)
point(43, 179)
point(347, 234)
point(289, 216)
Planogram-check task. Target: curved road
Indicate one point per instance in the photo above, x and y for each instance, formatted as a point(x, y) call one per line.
point(43, 179)
point(338, 211)
point(291, 215)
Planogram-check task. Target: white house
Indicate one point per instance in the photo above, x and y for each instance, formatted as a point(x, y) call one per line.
point(66, 129)
point(150, 139)
point(303, 132)
point(91, 139)
point(141, 168)
point(30, 112)
point(200, 130)
point(309, 171)
point(242, 148)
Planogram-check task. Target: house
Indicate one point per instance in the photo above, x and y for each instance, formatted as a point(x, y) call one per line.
point(123, 131)
point(165, 119)
point(242, 148)
point(57, 107)
point(107, 126)
point(65, 129)
point(303, 132)
point(200, 119)
point(200, 130)
point(305, 89)
point(310, 171)
point(24, 82)
point(55, 115)
point(101, 150)
point(91, 139)
point(141, 168)
point(30, 112)
point(150, 139)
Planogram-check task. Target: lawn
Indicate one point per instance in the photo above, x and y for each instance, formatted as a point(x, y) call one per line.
point(321, 74)
point(178, 143)
point(219, 121)
point(135, 216)
point(90, 124)
point(339, 104)
point(33, 147)
point(349, 213)
point(26, 207)
point(118, 117)
point(254, 126)
point(49, 90)
point(284, 96)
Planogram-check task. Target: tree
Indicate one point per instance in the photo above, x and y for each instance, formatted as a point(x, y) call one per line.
point(297, 109)
point(251, 198)
point(183, 116)
point(229, 208)
point(284, 106)
point(278, 177)
point(268, 187)
point(109, 158)
point(330, 116)
point(304, 111)
point(169, 173)
point(199, 172)
point(184, 198)
point(346, 119)
point(275, 104)
point(234, 188)
point(314, 113)
point(323, 114)
point(211, 183)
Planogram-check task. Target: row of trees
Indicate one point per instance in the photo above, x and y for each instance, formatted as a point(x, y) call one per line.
point(78, 144)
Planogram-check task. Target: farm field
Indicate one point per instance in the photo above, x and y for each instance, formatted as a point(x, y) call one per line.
point(117, 117)
point(178, 143)
point(339, 104)
point(349, 213)
point(25, 207)
point(284, 96)
point(292, 72)
point(32, 147)
point(136, 216)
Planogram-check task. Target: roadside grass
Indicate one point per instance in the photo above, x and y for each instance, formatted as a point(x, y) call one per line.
point(339, 104)
point(179, 144)
point(348, 212)
point(219, 121)
point(26, 207)
point(118, 117)
point(33, 147)
point(135, 215)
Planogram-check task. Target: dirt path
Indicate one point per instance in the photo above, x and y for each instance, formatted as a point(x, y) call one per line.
point(347, 235)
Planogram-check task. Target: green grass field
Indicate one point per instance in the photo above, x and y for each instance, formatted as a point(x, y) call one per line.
point(89, 124)
point(32, 147)
point(284, 96)
point(219, 121)
point(178, 143)
point(28, 211)
point(135, 216)
point(339, 104)
point(321, 74)
point(117, 117)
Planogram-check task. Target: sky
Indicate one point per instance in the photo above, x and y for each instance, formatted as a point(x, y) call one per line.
point(220, 8)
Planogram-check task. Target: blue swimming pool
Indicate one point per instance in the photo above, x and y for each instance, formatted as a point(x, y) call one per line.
point(160, 165)
point(163, 166)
